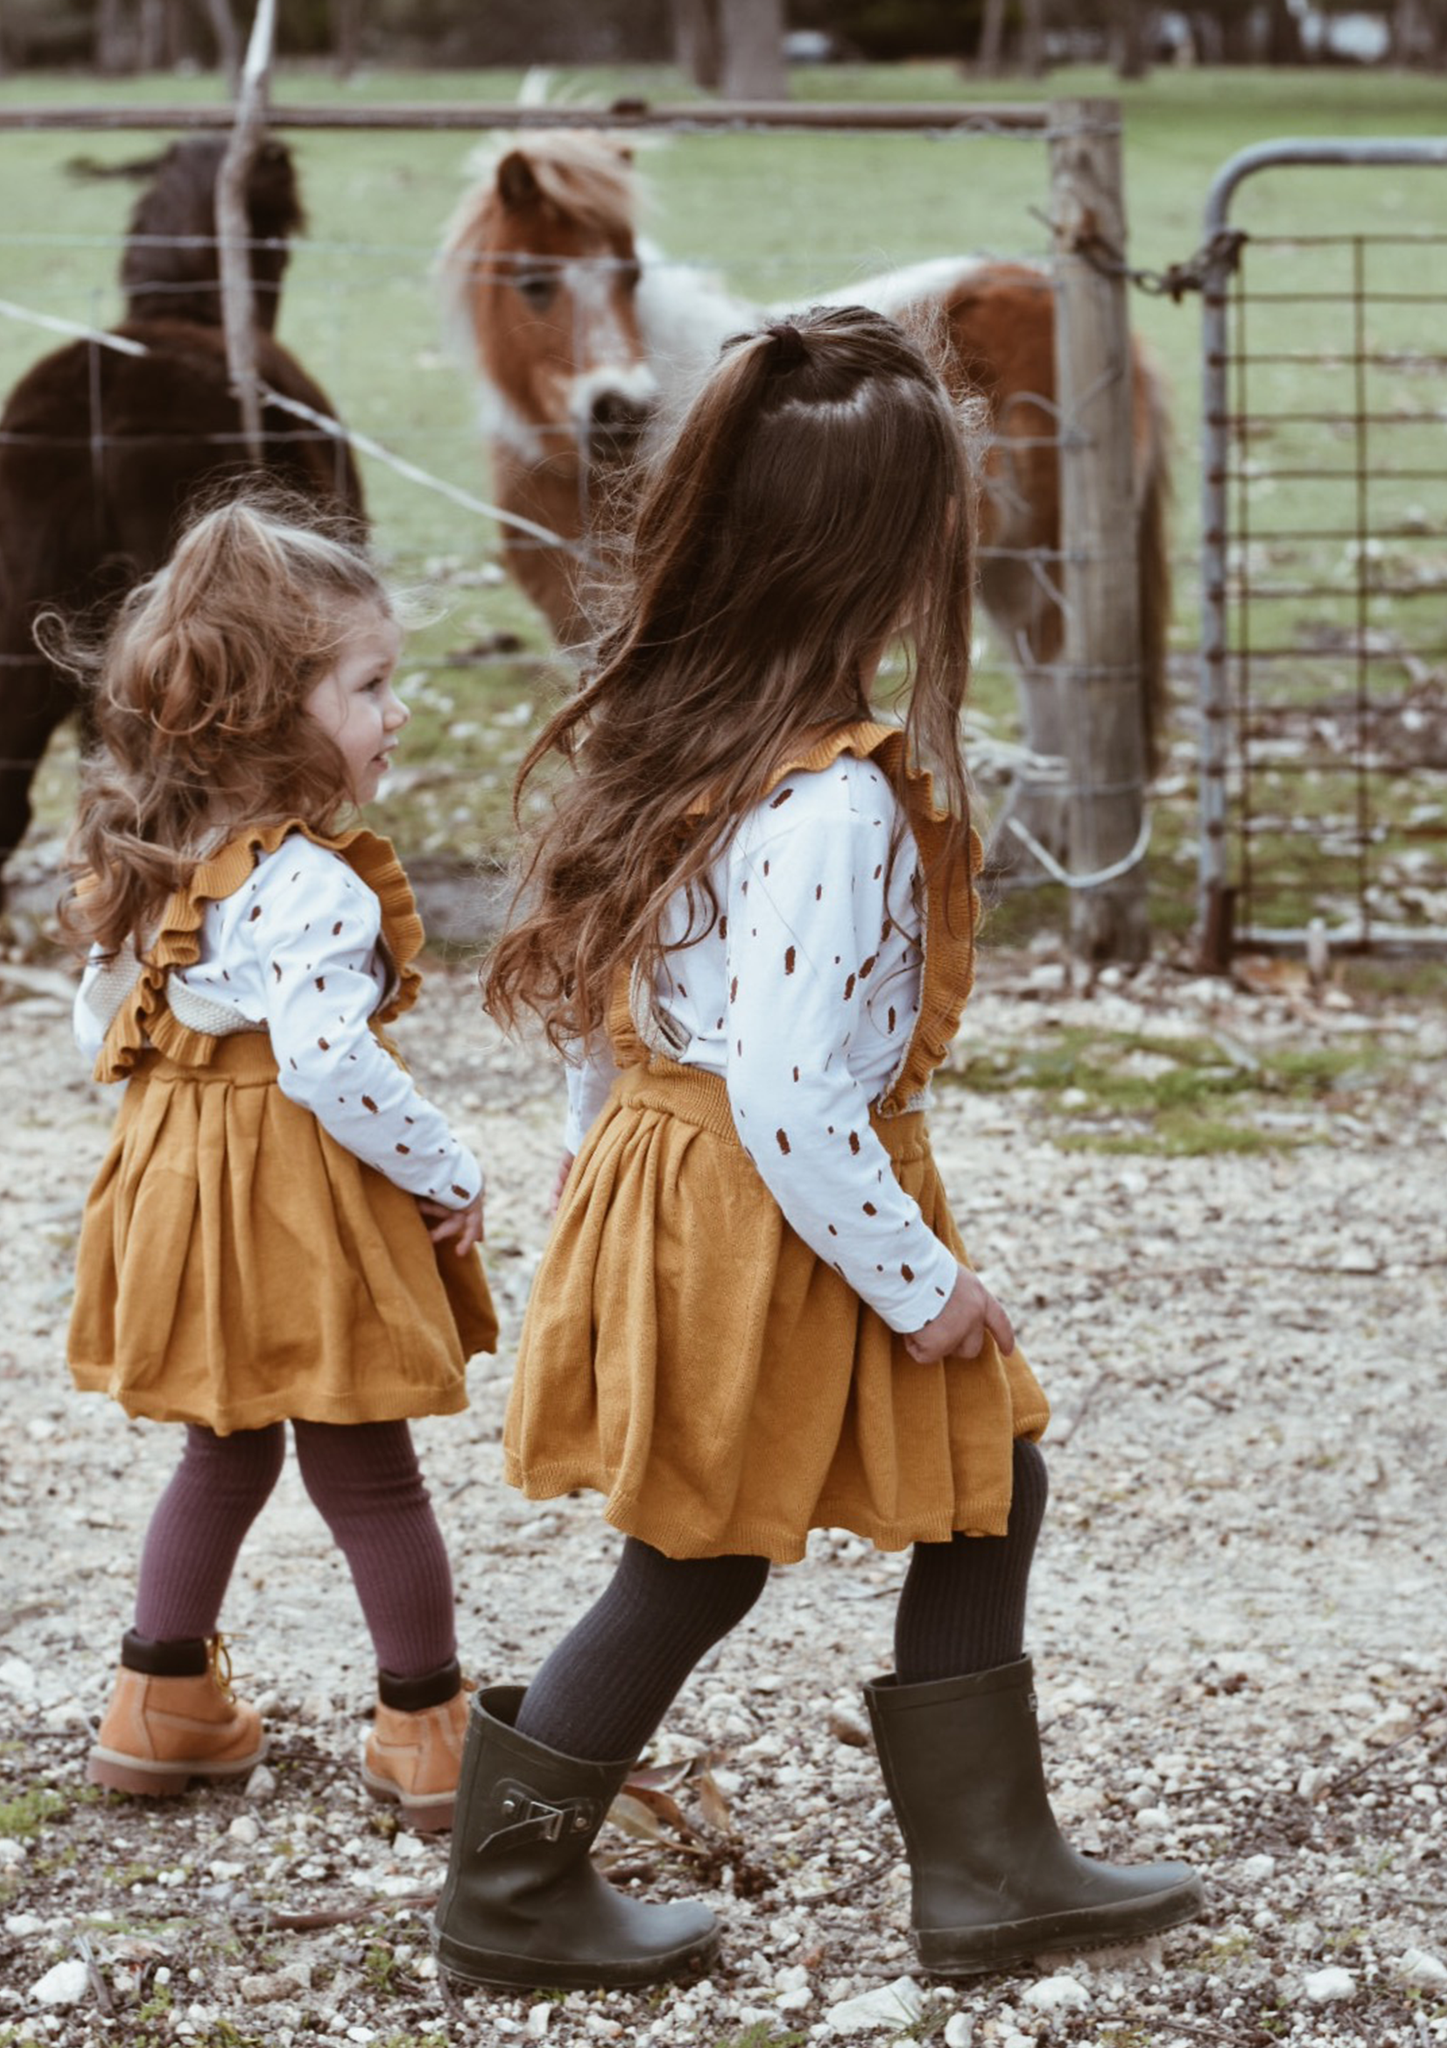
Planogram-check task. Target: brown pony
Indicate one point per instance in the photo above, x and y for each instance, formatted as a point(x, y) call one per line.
point(582, 338)
point(104, 443)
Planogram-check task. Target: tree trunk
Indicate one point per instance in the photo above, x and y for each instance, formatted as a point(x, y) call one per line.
point(696, 42)
point(114, 43)
point(346, 36)
point(1032, 38)
point(753, 50)
point(992, 39)
point(1128, 55)
point(151, 53)
point(228, 42)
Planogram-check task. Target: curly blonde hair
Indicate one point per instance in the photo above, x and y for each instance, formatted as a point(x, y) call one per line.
point(197, 697)
point(816, 502)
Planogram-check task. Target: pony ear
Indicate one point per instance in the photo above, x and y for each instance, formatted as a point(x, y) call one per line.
point(515, 180)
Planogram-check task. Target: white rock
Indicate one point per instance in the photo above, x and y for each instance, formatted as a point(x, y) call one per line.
point(1313, 1781)
point(19, 1677)
point(1418, 1967)
point(1391, 1724)
point(1325, 1987)
point(538, 2017)
point(261, 1784)
point(1154, 1817)
point(66, 1983)
point(12, 1852)
point(1258, 1868)
point(31, 1923)
point(1055, 1994)
point(795, 2001)
point(959, 2030)
point(894, 2005)
point(245, 1828)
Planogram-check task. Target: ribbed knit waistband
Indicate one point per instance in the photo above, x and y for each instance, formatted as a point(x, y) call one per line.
point(702, 1099)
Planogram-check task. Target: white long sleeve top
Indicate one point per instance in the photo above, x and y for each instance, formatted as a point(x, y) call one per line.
point(297, 951)
point(802, 996)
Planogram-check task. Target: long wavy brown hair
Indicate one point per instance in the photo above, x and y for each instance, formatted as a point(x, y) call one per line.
point(198, 696)
point(815, 503)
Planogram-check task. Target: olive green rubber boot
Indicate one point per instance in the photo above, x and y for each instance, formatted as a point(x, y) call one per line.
point(522, 1903)
point(994, 1881)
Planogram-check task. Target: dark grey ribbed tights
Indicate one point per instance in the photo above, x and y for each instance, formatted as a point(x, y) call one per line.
point(364, 1480)
point(608, 1684)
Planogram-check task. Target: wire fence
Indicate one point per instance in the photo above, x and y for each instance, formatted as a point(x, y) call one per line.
point(779, 214)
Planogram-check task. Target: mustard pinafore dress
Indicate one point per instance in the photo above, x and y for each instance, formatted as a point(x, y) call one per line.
point(687, 1355)
point(237, 1265)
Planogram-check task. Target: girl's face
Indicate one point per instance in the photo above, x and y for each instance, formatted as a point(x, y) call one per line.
point(356, 706)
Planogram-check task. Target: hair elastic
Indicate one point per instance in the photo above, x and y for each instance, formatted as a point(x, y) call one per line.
point(789, 346)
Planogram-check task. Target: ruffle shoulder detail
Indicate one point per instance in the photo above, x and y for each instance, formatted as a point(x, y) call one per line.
point(144, 1019)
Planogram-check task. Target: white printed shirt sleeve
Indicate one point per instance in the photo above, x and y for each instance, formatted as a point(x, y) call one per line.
point(804, 922)
point(591, 1070)
point(315, 927)
point(88, 1024)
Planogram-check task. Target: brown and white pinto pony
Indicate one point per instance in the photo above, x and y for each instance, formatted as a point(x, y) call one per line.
point(105, 442)
point(583, 339)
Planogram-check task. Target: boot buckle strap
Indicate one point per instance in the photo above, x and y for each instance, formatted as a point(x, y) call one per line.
point(526, 1818)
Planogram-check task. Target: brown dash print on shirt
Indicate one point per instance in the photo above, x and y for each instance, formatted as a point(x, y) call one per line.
point(782, 798)
point(789, 957)
point(367, 1103)
point(783, 1138)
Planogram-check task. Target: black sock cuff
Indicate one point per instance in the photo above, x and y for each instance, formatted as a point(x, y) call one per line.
point(181, 1657)
point(413, 1695)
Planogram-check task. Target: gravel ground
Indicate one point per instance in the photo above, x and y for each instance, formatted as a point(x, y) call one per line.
point(1237, 1613)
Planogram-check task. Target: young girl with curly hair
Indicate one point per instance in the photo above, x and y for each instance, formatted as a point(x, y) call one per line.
point(283, 1229)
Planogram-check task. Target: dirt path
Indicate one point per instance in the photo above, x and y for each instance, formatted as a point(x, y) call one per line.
point(1238, 1612)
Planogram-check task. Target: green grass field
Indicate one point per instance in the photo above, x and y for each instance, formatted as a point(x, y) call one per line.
point(782, 216)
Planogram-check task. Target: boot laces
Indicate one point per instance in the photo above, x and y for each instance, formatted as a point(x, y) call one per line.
point(218, 1660)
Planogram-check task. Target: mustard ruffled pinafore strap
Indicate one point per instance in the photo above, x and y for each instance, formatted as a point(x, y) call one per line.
point(143, 1022)
point(951, 913)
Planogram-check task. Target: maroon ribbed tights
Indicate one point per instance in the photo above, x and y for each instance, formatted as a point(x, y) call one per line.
point(364, 1481)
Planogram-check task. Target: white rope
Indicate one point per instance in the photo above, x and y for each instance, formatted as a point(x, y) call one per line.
point(121, 343)
point(1057, 873)
point(415, 475)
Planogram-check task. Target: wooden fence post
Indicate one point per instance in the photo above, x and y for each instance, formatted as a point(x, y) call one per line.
point(1100, 661)
point(233, 226)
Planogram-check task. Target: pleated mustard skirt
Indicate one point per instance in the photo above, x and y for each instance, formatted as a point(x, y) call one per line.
point(687, 1355)
point(237, 1266)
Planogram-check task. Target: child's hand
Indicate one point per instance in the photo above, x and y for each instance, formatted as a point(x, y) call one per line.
point(959, 1330)
point(463, 1225)
point(560, 1181)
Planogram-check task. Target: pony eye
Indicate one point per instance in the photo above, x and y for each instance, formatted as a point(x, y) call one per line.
point(538, 289)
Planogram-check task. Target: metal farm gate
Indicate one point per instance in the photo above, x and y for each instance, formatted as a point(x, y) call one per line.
point(1323, 674)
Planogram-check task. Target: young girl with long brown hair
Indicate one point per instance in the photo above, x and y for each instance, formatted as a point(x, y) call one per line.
point(283, 1228)
point(751, 926)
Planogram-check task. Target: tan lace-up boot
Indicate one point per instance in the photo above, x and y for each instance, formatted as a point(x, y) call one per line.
point(173, 1717)
point(414, 1747)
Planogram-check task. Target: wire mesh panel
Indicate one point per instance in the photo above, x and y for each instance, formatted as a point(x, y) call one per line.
point(1325, 653)
point(778, 215)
